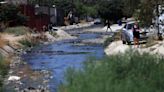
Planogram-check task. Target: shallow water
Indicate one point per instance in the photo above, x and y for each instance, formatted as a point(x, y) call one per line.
point(59, 56)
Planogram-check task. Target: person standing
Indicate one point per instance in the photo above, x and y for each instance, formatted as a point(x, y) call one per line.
point(50, 28)
point(136, 34)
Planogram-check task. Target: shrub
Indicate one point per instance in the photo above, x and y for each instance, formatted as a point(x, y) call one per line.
point(11, 15)
point(27, 43)
point(130, 72)
point(116, 36)
point(108, 41)
point(151, 41)
point(3, 66)
point(3, 71)
point(21, 30)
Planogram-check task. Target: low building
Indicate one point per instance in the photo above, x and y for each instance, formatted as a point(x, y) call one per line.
point(37, 15)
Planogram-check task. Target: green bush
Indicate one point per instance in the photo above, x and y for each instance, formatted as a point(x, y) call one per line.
point(21, 30)
point(26, 43)
point(130, 72)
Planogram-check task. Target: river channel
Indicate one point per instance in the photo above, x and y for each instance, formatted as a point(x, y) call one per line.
point(58, 56)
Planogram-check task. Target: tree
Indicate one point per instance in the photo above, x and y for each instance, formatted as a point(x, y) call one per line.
point(10, 13)
point(146, 11)
point(91, 10)
point(85, 9)
point(79, 8)
point(130, 7)
point(110, 9)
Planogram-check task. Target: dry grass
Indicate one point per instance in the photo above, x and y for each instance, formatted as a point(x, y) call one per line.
point(2, 41)
point(7, 61)
point(117, 36)
point(151, 41)
point(82, 21)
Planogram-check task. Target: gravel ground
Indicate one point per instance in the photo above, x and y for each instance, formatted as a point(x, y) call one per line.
point(30, 81)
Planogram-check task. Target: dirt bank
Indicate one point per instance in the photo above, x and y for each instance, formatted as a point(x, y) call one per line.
point(117, 47)
point(21, 78)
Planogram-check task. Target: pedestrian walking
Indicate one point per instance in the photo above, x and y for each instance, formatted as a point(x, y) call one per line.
point(119, 22)
point(108, 26)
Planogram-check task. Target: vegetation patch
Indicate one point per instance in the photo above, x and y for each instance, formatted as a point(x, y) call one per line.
point(4, 67)
point(108, 41)
point(21, 30)
point(115, 37)
point(130, 72)
point(27, 43)
point(151, 41)
point(54, 34)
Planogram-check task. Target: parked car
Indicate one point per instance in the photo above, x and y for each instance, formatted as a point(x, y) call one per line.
point(97, 21)
point(54, 29)
point(127, 33)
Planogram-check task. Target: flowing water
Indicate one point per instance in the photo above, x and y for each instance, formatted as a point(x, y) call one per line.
point(59, 56)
